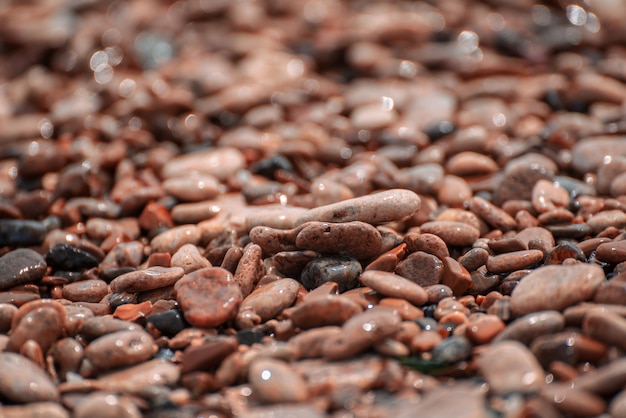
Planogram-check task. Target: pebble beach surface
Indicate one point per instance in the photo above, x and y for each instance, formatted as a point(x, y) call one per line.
point(313, 208)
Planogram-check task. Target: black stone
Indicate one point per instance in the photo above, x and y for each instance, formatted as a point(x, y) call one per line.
point(249, 336)
point(452, 350)
point(68, 257)
point(18, 232)
point(169, 323)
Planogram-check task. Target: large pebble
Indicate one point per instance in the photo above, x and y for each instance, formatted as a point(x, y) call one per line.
point(35, 410)
point(42, 321)
point(146, 279)
point(195, 188)
point(556, 287)
point(422, 268)
point(515, 260)
point(392, 285)
point(528, 327)
point(588, 153)
point(607, 218)
point(274, 381)
point(357, 239)
point(106, 405)
point(266, 302)
point(86, 290)
point(361, 332)
point(21, 266)
point(221, 163)
point(209, 297)
point(378, 208)
point(122, 348)
point(613, 252)
point(510, 367)
point(22, 381)
point(137, 379)
point(172, 239)
point(324, 310)
point(340, 269)
point(453, 233)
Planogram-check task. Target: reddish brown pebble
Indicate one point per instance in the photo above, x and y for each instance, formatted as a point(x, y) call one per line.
point(512, 261)
point(392, 285)
point(274, 381)
point(453, 233)
point(209, 297)
point(324, 310)
point(482, 329)
point(491, 214)
point(358, 239)
point(421, 268)
point(613, 252)
point(455, 276)
point(147, 279)
point(428, 243)
point(23, 381)
point(122, 348)
point(86, 291)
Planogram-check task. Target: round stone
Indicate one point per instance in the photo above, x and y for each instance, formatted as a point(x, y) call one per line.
point(21, 266)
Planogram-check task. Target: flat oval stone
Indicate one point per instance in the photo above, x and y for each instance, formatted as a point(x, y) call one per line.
point(392, 285)
point(357, 239)
point(515, 260)
point(172, 239)
point(147, 279)
point(361, 332)
point(491, 214)
point(323, 311)
point(556, 287)
point(269, 300)
point(23, 381)
point(209, 297)
point(189, 258)
point(21, 266)
point(70, 258)
point(106, 405)
point(86, 290)
point(422, 268)
point(530, 326)
point(274, 381)
point(390, 205)
point(194, 188)
point(340, 269)
point(510, 367)
point(613, 252)
point(122, 348)
point(453, 233)
point(138, 379)
point(222, 163)
point(605, 219)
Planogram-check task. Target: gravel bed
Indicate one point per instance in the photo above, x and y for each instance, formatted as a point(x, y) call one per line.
point(313, 208)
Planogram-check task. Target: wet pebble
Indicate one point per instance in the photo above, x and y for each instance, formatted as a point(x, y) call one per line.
point(22, 381)
point(86, 291)
point(530, 326)
point(221, 163)
point(189, 258)
point(106, 405)
point(34, 410)
point(195, 188)
point(139, 378)
point(209, 297)
point(555, 287)
point(20, 267)
point(274, 381)
point(324, 311)
point(146, 279)
point(267, 302)
point(509, 367)
point(118, 349)
point(356, 239)
point(453, 233)
point(18, 232)
point(482, 328)
point(421, 268)
point(342, 270)
point(70, 258)
point(513, 261)
point(613, 252)
point(392, 285)
point(171, 240)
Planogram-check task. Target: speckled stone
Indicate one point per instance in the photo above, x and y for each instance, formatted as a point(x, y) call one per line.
point(122, 348)
point(378, 208)
point(340, 269)
point(146, 279)
point(356, 239)
point(209, 297)
point(422, 268)
point(556, 287)
point(20, 267)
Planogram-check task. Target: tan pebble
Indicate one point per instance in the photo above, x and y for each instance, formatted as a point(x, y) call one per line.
point(425, 341)
point(194, 212)
point(453, 233)
point(361, 332)
point(189, 258)
point(221, 162)
point(463, 216)
point(122, 348)
point(391, 348)
point(406, 310)
point(449, 305)
point(377, 208)
point(392, 285)
point(455, 318)
point(374, 115)
point(172, 239)
point(513, 261)
point(481, 328)
point(274, 381)
point(510, 367)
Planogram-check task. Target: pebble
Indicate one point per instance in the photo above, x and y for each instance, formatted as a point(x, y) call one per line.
point(106, 405)
point(491, 214)
point(189, 258)
point(573, 401)
point(267, 302)
point(221, 163)
point(548, 196)
point(140, 378)
point(41, 321)
point(421, 268)
point(509, 367)
point(356, 239)
point(208, 297)
point(70, 258)
point(91, 291)
point(452, 233)
point(588, 153)
point(605, 219)
point(249, 269)
point(613, 252)
point(195, 188)
point(483, 328)
point(274, 381)
point(378, 208)
point(452, 350)
point(324, 311)
point(424, 179)
point(449, 401)
point(146, 279)
point(21, 266)
point(172, 239)
point(530, 326)
point(469, 163)
point(428, 243)
point(455, 276)
point(119, 349)
point(512, 261)
point(569, 347)
point(395, 286)
point(342, 270)
point(195, 212)
point(361, 332)
point(611, 292)
point(18, 232)
point(606, 327)
point(35, 410)
point(555, 287)
point(23, 381)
